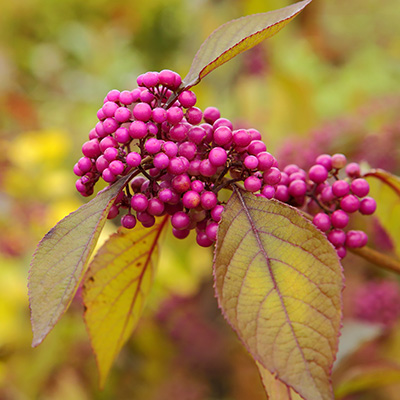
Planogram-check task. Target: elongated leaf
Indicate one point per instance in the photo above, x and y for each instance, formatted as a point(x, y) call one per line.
point(116, 287)
point(61, 259)
point(385, 189)
point(367, 377)
point(235, 37)
point(275, 388)
point(278, 282)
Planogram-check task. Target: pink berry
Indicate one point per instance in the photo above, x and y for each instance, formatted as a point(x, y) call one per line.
point(203, 240)
point(180, 220)
point(110, 125)
point(222, 135)
point(174, 115)
point(359, 187)
point(256, 146)
point(122, 114)
point(161, 161)
point(155, 207)
point(179, 132)
point(196, 134)
point(194, 115)
point(207, 169)
point(356, 239)
point(180, 234)
point(187, 99)
point(142, 112)
point(126, 97)
point(101, 163)
point(211, 114)
point(318, 173)
point(339, 219)
point(251, 162)
point(181, 183)
point(133, 159)
point(367, 206)
point(113, 95)
point(191, 199)
point(218, 156)
point(324, 160)
point(139, 202)
point(211, 231)
point(91, 148)
point(122, 135)
point(337, 237)
point(272, 176)
point(252, 184)
point(159, 115)
point(297, 188)
point(322, 222)
point(138, 130)
point(338, 161)
point(116, 167)
point(265, 160)
point(128, 221)
point(170, 149)
point(340, 188)
point(350, 203)
point(353, 170)
point(108, 176)
point(208, 200)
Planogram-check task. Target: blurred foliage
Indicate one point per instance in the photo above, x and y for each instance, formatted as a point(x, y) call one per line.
point(330, 81)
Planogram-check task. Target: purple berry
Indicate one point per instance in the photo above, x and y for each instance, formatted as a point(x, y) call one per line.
point(174, 115)
point(146, 219)
point(350, 203)
point(179, 132)
point(122, 135)
point(77, 171)
point(91, 148)
point(203, 240)
point(150, 79)
point(211, 114)
point(191, 199)
point(367, 206)
point(341, 252)
point(208, 200)
point(138, 129)
point(196, 134)
point(268, 192)
point(110, 125)
point(256, 146)
point(325, 160)
point(241, 138)
point(207, 169)
point(327, 194)
point(139, 202)
point(187, 99)
point(85, 164)
point(142, 112)
point(265, 160)
point(109, 108)
point(318, 173)
point(170, 149)
point(128, 221)
point(107, 142)
point(194, 115)
point(159, 115)
point(108, 176)
point(251, 162)
point(122, 114)
point(211, 231)
point(152, 146)
point(177, 166)
point(126, 97)
point(322, 221)
point(218, 156)
point(282, 193)
point(180, 234)
point(116, 167)
point(181, 183)
point(337, 237)
point(359, 187)
point(353, 170)
point(254, 134)
point(340, 188)
point(101, 163)
point(180, 220)
point(222, 135)
point(297, 188)
point(339, 219)
point(187, 150)
point(338, 161)
point(252, 184)
point(216, 212)
point(155, 207)
point(114, 211)
point(356, 239)
point(161, 161)
point(113, 95)
point(272, 176)
point(133, 159)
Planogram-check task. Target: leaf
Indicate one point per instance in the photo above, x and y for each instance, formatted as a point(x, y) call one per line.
point(276, 389)
point(235, 37)
point(61, 259)
point(278, 282)
point(116, 287)
point(385, 189)
point(367, 377)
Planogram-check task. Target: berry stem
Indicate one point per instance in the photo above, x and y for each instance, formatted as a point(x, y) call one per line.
point(379, 259)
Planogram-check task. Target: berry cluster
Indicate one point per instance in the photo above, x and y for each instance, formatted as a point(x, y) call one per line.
point(180, 158)
point(331, 190)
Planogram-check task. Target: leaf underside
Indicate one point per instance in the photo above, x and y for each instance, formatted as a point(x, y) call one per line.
point(235, 37)
point(61, 259)
point(116, 287)
point(278, 282)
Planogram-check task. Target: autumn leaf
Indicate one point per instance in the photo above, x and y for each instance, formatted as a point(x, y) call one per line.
point(61, 259)
point(116, 287)
point(385, 189)
point(235, 37)
point(278, 282)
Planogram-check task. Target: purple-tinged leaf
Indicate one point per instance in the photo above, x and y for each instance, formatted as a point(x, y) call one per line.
point(235, 37)
point(61, 259)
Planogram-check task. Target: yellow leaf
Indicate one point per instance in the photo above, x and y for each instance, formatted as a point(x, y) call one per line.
point(116, 287)
point(278, 282)
point(385, 189)
point(61, 259)
point(235, 37)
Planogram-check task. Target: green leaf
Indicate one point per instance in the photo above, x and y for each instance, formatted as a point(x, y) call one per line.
point(116, 287)
point(278, 282)
point(61, 259)
point(235, 37)
point(385, 189)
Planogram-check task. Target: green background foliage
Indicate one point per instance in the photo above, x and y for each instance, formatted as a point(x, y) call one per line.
point(328, 82)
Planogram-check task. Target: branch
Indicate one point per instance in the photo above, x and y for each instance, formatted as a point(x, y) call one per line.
point(379, 259)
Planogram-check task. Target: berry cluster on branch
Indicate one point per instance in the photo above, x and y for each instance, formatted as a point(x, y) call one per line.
point(181, 158)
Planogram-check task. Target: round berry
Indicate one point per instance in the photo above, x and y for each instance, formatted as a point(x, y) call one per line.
point(138, 130)
point(116, 167)
point(222, 135)
point(218, 156)
point(359, 187)
point(203, 240)
point(350, 203)
point(251, 162)
point(211, 114)
point(174, 115)
point(150, 79)
point(211, 231)
point(353, 170)
point(338, 161)
point(194, 115)
point(191, 199)
point(216, 212)
point(187, 150)
point(337, 237)
point(128, 221)
point(272, 176)
point(297, 188)
point(181, 183)
point(252, 184)
point(91, 148)
point(282, 193)
point(122, 135)
point(325, 160)
point(114, 211)
point(133, 159)
point(139, 202)
point(322, 221)
point(101, 163)
point(268, 192)
point(265, 160)
point(126, 97)
point(356, 239)
point(178, 132)
point(340, 188)
point(339, 219)
point(180, 220)
point(207, 169)
point(196, 134)
point(170, 149)
point(113, 95)
point(187, 98)
point(146, 219)
point(208, 200)
point(155, 207)
point(85, 164)
point(142, 112)
point(318, 173)
point(241, 138)
point(177, 166)
point(256, 146)
point(107, 142)
point(161, 161)
point(180, 234)
point(152, 146)
point(367, 206)
point(110, 125)
point(108, 176)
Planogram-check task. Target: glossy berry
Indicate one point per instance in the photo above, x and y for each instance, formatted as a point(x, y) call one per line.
point(367, 206)
point(350, 203)
point(318, 173)
point(339, 219)
point(322, 221)
point(359, 187)
point(128, 221)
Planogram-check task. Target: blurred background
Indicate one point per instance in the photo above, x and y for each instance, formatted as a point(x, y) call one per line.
point(329, 82)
